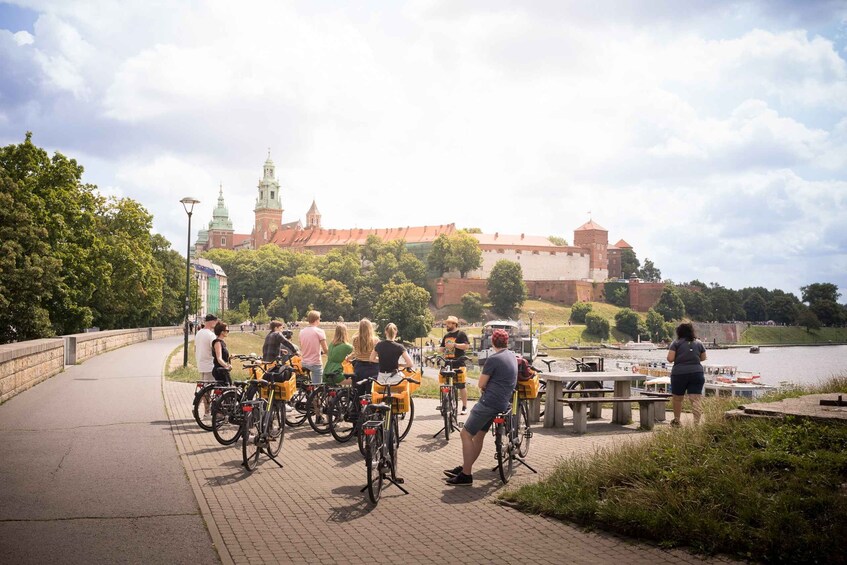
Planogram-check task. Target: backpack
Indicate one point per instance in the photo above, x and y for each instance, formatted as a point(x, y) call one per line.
point(525, 371)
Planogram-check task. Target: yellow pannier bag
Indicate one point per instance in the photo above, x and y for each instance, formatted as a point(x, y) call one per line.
point(408, 372)
point(283, 390)
point(347, 367)
point(528, 389)
point(399, 396)
point(461, 374)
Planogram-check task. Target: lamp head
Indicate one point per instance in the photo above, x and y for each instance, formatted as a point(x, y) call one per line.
point(188, 203)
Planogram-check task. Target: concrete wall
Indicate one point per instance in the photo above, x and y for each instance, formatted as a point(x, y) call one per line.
point(719, 333)
point(538, 265)
point(79, 347)
point(451, 290)
point(23, 365)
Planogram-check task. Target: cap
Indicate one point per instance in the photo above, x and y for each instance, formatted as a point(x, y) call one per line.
point(453, 319)
point(210, 317)
point(500, 338)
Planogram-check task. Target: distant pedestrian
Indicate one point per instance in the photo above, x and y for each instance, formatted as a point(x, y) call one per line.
point(203, 354)
point(686, 353)
point(220, 355)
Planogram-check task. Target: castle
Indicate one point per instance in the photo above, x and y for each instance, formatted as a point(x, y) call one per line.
point(546, 266)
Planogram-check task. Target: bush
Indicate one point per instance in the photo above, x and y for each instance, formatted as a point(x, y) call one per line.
point(628, 322)
point(597, 325)
point(579, 311)
point(472, 306)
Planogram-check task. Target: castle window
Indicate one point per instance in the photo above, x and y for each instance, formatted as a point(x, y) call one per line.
point(535, 252)
point(260, 195)
point(223, 241)
point(272, 195)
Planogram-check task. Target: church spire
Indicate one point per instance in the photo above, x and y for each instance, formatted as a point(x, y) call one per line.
point(313, 216)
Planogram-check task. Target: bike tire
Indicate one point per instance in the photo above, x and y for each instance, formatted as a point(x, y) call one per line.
point(198, 398)
point(276, 429)
point(405, 420)
point(249, 440)
point(504, 458)
point(295, 414)
point(524, 431)
point(319, 422)
point(447, 414)
point(373, 448)
point(227, 417)
point(393, 451)
point(342, 421)
point(454, 407)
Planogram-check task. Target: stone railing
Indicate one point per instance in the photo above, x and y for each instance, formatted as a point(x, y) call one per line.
point(25, 364)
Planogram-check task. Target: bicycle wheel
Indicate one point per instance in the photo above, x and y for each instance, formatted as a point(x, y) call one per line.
point(393, 451)
point(316, 411)
point(404, 421)
point(295, 413)
point(447, 413)
point(503, 452)
point(227, 417)
point(276, 428)
point(367, 413)
point(342, 421)
point(251, 429)
point(206, 392)
point(454, 407)
point(524, 433)
point(373, 458)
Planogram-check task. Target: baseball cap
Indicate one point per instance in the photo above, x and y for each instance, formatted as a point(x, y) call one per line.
point(453, 319)
point(210, 317)
point(500, 338)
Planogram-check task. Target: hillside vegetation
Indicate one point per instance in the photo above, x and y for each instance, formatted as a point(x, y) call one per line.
point(791, 335)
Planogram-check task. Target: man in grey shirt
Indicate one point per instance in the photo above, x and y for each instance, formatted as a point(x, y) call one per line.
point(497, 383)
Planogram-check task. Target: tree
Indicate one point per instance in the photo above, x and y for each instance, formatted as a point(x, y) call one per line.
point(617, 293)
point(579, 310)
point(808, 320)
point(473, 230)
point(670, 305)
point(407, 306)
point(649, 272)
point(656, 326)
point(726, 304)
point(696, 302)
point(597, 325)
point(556, 240)
point(755, 307)
point(261, 316)
point(334, 301)
point(629, 263)
point(783, 309)
point(172, 266)
point(828, 312)
point(819, 291)
point(465, 254)
point(628, 322)
point(472, 306)
point(301, 292)
point(506, 288)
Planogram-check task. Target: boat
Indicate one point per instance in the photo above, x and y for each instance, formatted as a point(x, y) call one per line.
point(519, 339)
point(727, 380)
point(754, 349)
point(638, 346)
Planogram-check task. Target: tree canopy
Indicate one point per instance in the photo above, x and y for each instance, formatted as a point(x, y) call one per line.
point(506, 289)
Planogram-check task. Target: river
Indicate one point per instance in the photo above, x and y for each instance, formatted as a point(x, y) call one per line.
point(800, 365)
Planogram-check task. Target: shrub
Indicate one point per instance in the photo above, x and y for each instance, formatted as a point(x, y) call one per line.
point(597, 325)
point(579, 311)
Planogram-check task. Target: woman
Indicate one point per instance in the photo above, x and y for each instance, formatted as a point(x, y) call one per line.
point(388, 354)
point(220, 354)
point(363, 346)
point(337, 352)
point(686, 354)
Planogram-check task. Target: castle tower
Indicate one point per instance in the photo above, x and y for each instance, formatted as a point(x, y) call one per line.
point(595, 239)
point(313, 217)
point(220, 231)
point(268, 209)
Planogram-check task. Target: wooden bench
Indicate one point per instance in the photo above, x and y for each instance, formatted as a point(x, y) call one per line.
point(646, 407)
point(660, 414)
point(594, 410)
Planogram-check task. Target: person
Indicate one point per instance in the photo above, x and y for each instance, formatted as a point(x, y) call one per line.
point(276, 344)
point(363, 346)
point(203, 354)
point(388, 354)
point(687, 376)
point(313, 346)
point(454, 344)
point(497, 383)
point(338, 351)
point(220, 354)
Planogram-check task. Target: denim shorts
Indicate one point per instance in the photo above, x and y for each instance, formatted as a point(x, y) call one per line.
point(480, 419)
point(317, 372)
point(692, 383)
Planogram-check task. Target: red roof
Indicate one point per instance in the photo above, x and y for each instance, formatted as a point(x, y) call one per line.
point(623, 245)
point(591, 225)
point(239, 238)
point(326, 237)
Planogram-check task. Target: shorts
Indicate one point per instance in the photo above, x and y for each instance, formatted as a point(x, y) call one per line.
point(480, 419)
point(317, 372)
point(692, 383)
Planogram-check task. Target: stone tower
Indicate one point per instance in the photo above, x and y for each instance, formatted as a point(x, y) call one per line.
point(268, 209)
point(313, 217)
point(220, 231)
point(595, 239)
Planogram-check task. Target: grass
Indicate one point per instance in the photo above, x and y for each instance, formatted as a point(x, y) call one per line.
point(755, 335)
point(568, 335)
point(429, 389)
point(762, 490)
point(236, 342)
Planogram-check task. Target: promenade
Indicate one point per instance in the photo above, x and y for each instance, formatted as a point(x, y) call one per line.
point(91, 473)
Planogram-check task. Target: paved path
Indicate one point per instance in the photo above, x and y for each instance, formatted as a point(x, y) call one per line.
point(89, 472)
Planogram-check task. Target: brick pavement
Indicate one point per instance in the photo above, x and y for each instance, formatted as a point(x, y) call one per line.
point(307, 511)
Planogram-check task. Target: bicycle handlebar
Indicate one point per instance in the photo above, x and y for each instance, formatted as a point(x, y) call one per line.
point(376, 380)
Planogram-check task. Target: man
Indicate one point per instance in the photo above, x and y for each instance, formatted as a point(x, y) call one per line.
point(312, 346)
point(497, 383)
point(276, 344)
point(454, 344)
point(203, 354)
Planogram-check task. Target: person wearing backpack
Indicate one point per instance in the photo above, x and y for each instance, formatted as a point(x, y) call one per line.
point(687, 376)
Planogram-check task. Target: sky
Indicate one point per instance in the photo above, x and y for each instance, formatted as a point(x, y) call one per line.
point(710, 135)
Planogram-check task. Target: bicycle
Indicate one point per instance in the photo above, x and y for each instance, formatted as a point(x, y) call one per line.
point(449, 406)
point(205, 393)
point(263, 428)
point(343, 411)
point(507, 440)
point(381, 438)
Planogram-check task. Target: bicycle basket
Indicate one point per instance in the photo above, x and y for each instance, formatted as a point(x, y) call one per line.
point(528, 390)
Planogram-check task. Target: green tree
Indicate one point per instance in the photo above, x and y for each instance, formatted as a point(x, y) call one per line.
point(473, 230)
point(670, 305)
point(579, 310)
point(556, 240)
point(656, 326)
point(472, 306)
point(172, 266)
point(627, 321)
point(407, 306)
point(335, 301)
point(630, 264)
point(506, 289)
point(783, 309)
point(617, 293)
point(242, 313)
point(807, 319)
point(301, 292)
point(465, 254)
point(261, 316)
point(819, 291)
point(597, 325)
point(649, 272)
point(755, 307)
point(828, 312)
point(726, 304)
point(696, 302)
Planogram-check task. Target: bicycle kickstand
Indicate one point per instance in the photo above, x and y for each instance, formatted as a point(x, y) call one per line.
point(273, 458)
point(452, 429)
point(525, 464)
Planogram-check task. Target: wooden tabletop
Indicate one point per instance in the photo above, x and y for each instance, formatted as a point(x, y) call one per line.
point(597, 376)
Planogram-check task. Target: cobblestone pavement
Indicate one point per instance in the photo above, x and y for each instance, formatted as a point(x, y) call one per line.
point(311, 510)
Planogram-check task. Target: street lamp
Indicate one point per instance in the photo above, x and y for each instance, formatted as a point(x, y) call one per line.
point(531, 316)
point(187, 203)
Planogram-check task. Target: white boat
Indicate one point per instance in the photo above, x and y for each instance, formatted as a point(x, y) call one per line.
point(638, 346)
point(727, 380)
point(519, 339)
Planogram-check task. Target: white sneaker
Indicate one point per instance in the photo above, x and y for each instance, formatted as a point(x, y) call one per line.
point(464, 411)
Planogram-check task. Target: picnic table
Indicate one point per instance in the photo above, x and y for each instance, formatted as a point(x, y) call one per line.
point(553, 410)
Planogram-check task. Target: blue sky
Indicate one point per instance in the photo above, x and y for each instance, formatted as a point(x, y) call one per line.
point(711, 135)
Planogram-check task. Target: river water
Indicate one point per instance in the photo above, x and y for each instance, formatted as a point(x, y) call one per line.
point(800, 365)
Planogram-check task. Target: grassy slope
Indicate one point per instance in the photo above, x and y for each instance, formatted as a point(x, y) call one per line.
point(237, 343)
point(792, 335)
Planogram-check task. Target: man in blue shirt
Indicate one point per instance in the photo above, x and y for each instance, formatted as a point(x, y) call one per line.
point(497, 383)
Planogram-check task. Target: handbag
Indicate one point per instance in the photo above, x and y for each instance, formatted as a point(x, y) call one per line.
point(221, 374)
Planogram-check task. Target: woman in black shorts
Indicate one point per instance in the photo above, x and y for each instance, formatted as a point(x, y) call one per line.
point(686, 353)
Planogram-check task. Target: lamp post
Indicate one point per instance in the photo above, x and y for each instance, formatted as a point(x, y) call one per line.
point(531, 316)
point(187, 203)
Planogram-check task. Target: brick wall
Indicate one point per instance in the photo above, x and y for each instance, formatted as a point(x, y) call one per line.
point(23, 365)
point(450, 291)
point(719, 333)
point(643, 296)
